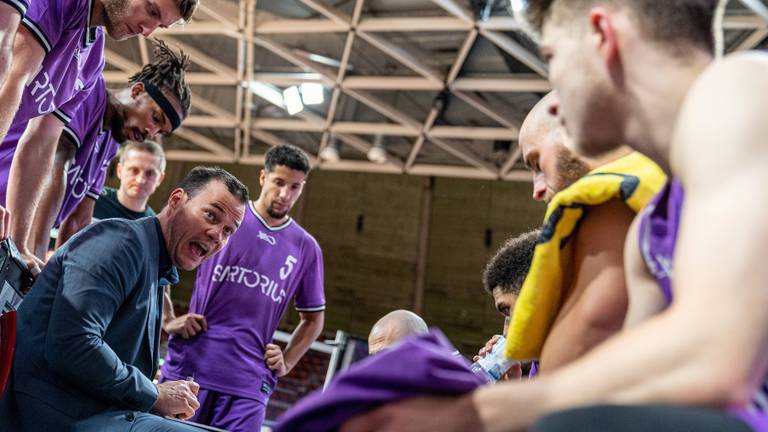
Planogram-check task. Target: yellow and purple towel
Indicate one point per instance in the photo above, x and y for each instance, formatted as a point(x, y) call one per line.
point(634, 179)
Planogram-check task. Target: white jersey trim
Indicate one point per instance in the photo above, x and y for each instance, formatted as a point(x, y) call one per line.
point(72, 136)
point(46, 44)
point(311, 309)
point(266, 225)
point(61, 115)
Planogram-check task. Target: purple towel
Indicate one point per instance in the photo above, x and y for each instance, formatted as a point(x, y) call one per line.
point(419, 366)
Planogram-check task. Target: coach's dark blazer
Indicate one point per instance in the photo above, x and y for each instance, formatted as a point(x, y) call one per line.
point(88, 333)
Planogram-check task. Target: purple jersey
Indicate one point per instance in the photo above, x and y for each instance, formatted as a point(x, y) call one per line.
point(658, 237)
point(658, 234)
point(534, 371)
point(95, 150)
point(74, 57)
point(243, 291)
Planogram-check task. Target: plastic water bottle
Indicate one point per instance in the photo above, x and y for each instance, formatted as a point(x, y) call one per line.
point(494, 364)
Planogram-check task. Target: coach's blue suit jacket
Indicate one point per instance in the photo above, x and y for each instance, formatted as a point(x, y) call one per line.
point(88, 332)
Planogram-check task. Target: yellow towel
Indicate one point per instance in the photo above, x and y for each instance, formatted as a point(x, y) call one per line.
point(635, 179)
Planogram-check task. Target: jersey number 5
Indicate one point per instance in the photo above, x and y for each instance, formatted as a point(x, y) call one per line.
point(288, 267)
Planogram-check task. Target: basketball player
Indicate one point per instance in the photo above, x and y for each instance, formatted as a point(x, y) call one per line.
point(57, 59)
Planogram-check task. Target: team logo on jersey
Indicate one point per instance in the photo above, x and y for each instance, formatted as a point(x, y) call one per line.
point(251, 279)
point(43, 93)
point(78, 186)
point(267, 238)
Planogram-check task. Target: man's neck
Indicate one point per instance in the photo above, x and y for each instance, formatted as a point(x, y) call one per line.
point(656, 103)
point(134, 204)
point(261, 209)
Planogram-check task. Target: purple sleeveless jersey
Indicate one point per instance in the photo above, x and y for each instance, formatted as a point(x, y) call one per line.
point(243, 292)
point(74, 60)
point(658, 236)
point(95, 150)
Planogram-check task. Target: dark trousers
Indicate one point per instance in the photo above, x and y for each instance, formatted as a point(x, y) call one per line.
point(612, 418)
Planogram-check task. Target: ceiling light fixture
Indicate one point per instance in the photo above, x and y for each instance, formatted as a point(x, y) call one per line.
point(312, 93)
point(330, 153)
point(267, 92)
point(377, 153)
point(292, 98)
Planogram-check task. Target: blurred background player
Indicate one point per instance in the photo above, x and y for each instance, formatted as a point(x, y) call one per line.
point(503, 279)
point(394, 327)
point(141, 170)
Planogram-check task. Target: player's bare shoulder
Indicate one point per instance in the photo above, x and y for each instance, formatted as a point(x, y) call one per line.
point(722, 120)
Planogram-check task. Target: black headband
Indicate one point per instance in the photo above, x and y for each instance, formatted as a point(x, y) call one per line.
point(157, 95)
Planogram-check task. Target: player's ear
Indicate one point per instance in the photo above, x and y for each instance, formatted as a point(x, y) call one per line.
point(137, 89)
point(177, 199)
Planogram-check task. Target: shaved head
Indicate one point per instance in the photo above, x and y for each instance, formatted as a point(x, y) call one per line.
point(541, 124)
point(393, 327)
point(543, 141)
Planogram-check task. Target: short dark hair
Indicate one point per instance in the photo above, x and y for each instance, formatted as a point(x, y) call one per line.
point(674, 22)
point(168, 74)
point(148, 146)
point(287, 155)
point(200, 176)
point(509, 267)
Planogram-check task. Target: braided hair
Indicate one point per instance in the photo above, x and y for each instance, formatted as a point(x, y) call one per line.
point(167, 73)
